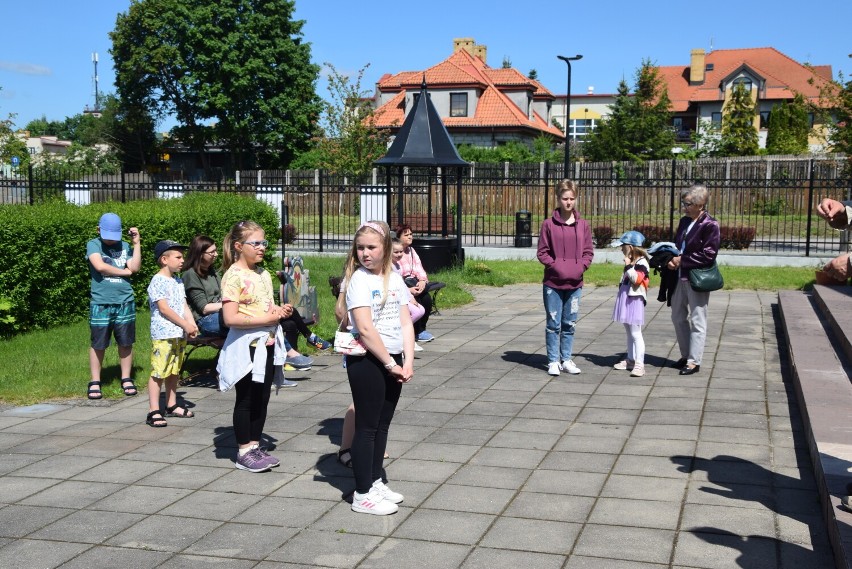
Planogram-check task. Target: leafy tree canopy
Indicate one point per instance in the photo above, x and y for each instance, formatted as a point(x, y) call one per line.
point(834, 109)
point(788, 128)
point(639, 125)
point(233, 70)
point(348, 141)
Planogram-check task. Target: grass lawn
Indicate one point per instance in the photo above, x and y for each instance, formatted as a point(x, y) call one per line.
point(54, 364)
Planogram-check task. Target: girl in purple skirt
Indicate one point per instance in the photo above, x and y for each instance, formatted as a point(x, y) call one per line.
point(630, 301)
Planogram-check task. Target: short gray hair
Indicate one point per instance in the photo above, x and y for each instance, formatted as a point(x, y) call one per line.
point(696, 193)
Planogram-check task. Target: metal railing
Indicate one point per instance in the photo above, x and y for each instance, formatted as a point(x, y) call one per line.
point(774, 198)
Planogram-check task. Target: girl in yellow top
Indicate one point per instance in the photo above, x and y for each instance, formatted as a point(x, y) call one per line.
point(250, 312)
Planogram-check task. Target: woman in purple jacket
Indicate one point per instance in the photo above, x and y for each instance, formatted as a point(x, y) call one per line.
point(566, 251)
point(697, 238)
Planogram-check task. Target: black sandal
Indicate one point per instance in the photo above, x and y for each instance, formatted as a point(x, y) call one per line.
point(187, 414)
point(155, 419)
point(95, 394)
point(344, 457)
point(129, 390)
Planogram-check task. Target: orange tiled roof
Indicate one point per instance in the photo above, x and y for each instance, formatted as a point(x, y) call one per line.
point(783, 76)
point(494, 109)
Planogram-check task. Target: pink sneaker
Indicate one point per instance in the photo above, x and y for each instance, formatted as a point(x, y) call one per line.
point(624, 364)
point(638, 370)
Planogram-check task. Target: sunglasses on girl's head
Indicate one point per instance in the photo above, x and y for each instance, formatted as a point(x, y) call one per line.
point(263, 243)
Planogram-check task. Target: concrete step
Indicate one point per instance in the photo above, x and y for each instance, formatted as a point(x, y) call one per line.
point(835, 305)
point(824, 392)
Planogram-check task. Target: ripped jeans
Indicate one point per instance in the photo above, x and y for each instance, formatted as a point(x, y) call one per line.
point(562, 309)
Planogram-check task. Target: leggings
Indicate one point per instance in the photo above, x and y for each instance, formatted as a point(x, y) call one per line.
point(635, 343)
point(251, 403)
point(375, 393)
point(425, 299)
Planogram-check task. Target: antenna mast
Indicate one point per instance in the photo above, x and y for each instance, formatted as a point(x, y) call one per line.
point(97, 92)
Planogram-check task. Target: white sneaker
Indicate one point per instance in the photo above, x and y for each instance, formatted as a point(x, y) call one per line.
point(418, 347)
point(387, 493)
point(638, 370)
point(570, 367)
point(373, 503)
point(553, 368)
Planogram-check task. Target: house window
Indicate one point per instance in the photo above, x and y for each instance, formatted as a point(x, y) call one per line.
point(458, 104)
point(764, 119)
point(578, 129)
point(715, 120)
point(810, 120)
point(744, 81)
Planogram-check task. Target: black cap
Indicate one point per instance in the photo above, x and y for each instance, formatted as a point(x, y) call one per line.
point(166, 245)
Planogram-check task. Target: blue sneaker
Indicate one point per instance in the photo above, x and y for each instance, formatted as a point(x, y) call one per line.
point(300, 362)
point(319, 343)
point(425, 336)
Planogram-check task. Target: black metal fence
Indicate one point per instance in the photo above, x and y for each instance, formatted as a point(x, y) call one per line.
point(764, 204)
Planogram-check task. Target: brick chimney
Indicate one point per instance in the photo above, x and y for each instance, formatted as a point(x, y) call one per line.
point(696, 67)
point(469, 45)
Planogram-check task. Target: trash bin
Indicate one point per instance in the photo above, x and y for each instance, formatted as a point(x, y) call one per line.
point(523, 228)
point(437, 253)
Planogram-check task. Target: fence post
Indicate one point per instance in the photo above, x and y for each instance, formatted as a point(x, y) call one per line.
point(30, 182)
point(544, 189)
point(320, 209)
point(672, 199)
point(810, 209)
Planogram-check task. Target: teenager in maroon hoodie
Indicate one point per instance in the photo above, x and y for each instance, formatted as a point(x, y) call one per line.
point(566, 251)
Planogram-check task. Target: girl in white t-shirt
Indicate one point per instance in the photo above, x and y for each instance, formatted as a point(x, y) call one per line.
point(376, 299)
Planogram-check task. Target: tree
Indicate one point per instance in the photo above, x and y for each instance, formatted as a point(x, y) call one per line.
point(349, 141)
point(533, 74)
point(128, 134)
point(638, 127)
point(11, 144)
point(834, 109)
point(738, 137)
point(238, 64)
point(788, 128)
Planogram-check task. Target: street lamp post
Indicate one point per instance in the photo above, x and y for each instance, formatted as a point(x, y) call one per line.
point(568, 61)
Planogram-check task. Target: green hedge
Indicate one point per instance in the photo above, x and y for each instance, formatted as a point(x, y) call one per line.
point(44, 276)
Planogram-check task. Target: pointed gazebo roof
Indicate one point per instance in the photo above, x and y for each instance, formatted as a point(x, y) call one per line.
point(423, 139)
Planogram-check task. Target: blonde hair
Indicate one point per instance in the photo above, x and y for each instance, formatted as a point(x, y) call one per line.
point(565, 186)
point(237, 234)
point(381, 229)
point(634, 252)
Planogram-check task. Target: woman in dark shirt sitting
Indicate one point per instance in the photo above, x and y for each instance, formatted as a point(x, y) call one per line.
point(204, 287)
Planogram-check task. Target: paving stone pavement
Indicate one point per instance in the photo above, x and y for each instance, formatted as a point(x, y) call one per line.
point(500, 465)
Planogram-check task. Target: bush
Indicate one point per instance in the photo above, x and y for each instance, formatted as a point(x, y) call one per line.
point(653, 234)
point(43, 268)
point(736, 237)
point(290, 233)
point(603, 235)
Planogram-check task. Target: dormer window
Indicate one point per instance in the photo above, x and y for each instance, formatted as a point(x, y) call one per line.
point(744, 81)
point(458, 104)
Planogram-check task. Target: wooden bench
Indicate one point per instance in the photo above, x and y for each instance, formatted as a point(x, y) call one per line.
point(193, 344)
point(420, 223)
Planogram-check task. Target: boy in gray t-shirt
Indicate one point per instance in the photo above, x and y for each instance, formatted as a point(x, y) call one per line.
point(112, 308)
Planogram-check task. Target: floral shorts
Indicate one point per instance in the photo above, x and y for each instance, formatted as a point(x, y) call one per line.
point(167, 357)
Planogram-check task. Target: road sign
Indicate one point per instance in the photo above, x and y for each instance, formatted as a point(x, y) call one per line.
point(15, 161)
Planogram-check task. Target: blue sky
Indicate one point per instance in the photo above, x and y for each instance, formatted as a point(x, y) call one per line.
point(46, 45)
